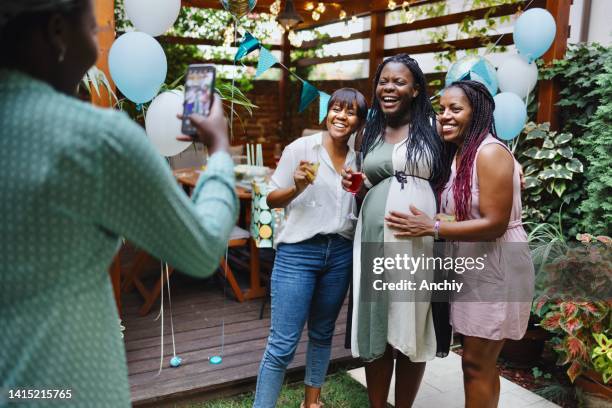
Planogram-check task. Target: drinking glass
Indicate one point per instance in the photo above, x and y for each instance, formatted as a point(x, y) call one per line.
point(357, 178)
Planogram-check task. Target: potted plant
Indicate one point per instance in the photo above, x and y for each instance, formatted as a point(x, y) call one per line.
point(576, 309)
point(594, 383)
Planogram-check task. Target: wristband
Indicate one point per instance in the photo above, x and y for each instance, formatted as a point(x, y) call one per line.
point(436, 230)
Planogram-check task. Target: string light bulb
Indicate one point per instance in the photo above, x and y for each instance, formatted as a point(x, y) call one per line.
point(346, 34)
point(321, 8)
point(408, 16)
point(316, 15)
point(354, 18)
point(275, 8)
point(342, 15)
point(309, 6)
point(392, 5)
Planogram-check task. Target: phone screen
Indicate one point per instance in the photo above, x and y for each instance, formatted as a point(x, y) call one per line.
point(199, 88)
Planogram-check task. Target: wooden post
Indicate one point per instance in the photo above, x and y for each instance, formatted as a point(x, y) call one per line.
point(105, 16)
point(548, 111)
point(377, 43)
point(284, 127)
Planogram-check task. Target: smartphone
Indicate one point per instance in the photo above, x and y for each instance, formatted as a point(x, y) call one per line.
point(199, 93)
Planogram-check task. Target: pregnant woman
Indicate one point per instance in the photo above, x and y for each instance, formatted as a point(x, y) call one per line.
point(403, 159)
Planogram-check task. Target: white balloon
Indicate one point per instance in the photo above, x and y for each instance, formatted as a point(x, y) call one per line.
point(517, 76)
point(153, 17)
point(163, 126)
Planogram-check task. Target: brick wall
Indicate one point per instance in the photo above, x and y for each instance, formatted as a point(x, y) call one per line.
point(264, 125)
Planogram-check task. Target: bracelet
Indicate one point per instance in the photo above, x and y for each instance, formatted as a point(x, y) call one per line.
point(436, 230)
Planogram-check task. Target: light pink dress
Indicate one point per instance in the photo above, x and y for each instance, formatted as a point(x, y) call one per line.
point(494, 319)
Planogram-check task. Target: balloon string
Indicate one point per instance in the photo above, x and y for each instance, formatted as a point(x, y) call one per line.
point(233, 84)
point(161, 313)
point(490, 50)
point(170, 306)
point(223, 307)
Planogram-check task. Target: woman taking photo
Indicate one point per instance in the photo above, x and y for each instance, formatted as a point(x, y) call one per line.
point(403, 159)
point(483, 197)
point(312, 268)
point(74, 180)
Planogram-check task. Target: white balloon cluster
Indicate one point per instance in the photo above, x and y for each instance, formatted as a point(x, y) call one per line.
point(534, 32)
point(138, 66)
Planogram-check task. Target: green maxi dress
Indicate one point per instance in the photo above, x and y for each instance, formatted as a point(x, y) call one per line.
point(381, 318)
point(75, 178)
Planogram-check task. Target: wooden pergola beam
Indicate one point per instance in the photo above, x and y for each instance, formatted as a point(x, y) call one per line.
point(105, 17)
point(168, 39)
point(455, 18)
point(377, 43)
point(548, 96)
point(351, 7)
point(465, 44)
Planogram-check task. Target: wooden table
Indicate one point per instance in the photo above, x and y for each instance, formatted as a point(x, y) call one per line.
point(189, 178)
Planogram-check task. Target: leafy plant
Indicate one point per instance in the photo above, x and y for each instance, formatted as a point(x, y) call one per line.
point(585, 83)
point(549, 166)
point(546, 242)
point(602, 356)
point(576, 303)
point(538, 373)
point(577, 74)
point(596, 208)
point(96, 78)
point(467, 28)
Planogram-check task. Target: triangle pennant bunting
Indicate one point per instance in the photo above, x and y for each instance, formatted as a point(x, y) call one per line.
point(480, 69)
point(266, 61)
point(247, 46)
point(323, 102)
point(309, 94)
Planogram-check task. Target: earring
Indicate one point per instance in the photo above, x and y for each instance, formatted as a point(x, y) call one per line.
point(61, 55)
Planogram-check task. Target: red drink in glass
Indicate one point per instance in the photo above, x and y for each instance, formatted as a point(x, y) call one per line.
point(356, 182)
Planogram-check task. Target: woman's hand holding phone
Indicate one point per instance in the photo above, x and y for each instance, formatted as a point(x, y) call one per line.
point(211, 130)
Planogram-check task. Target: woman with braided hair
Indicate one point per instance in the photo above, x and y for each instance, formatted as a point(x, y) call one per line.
point(403, 163)
point(482, 203)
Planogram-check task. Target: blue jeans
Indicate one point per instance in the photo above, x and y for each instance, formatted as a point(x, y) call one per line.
point(309, 281)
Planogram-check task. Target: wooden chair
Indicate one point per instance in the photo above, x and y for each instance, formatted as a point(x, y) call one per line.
point(238, 237)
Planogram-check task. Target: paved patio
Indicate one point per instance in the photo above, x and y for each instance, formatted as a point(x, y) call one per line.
point(442, 386)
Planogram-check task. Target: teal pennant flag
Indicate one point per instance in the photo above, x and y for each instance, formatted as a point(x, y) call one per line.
point(309, 94)
point(480, 69)
point(323, 102)
point(247, 46)
point(266, 61)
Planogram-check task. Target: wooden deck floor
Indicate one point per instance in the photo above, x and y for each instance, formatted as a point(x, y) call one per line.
point(199, 311)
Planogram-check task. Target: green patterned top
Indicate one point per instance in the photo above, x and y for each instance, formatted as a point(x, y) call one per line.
point(74, 178)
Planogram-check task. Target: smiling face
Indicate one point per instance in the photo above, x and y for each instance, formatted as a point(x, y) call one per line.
point(395, 89)
point(455, 115)
point(342, 120)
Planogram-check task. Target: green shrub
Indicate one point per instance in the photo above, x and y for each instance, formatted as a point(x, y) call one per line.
point(550, 170)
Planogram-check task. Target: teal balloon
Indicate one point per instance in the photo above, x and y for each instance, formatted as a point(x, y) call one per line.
point(475, 68)
point(510, 115)
point(534, 32)
point(239, 8)
point(138, 66)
